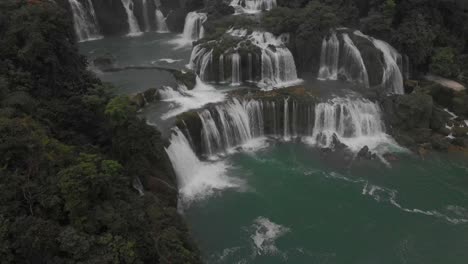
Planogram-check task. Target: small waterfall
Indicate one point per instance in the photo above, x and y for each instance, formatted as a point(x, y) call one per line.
point(286, 134)
point(193, 29)
point(221, 68)
point(146, 15)
point(196, 179)
point(352, 66)
point(278, 65)
point(230, 125)
point(354, 122)
point(206, 61)
point(278, 68)
point(329, 58)
point(236, 69)
point(392, 77)
point(134, 28)
point(161, 26)
point(253, 6)
point(85, 23)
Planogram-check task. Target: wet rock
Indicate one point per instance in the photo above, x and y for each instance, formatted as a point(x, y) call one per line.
point(104, 62)
point(365, 153)
point(440, 143)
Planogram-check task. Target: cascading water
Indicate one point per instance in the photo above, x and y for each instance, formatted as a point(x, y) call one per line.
point(85, 23)
point(193, 29)
point(352, 66)
point(392, 77)
point(230, 125)
point(161, 26)
point(236, 71)
point(196, 179)
point(354, 122)
point(278, 68)
point(253, 6)
point(146, 18)
point(329, 58)
point(133, 27)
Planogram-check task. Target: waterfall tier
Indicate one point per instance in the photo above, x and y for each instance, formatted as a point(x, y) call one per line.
point(347, 57)
point(223, 127)
point(133, 27)
point(258, 57)
point(253, 6)
point(193, 28)
point(84, 20)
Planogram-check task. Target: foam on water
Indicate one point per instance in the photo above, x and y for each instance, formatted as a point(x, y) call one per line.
point(184, 100)
point(170, 61)
point(265, 235)
point(383, 194)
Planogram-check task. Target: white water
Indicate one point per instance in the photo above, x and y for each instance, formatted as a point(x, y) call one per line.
point(392, 77)
point(253, 6)
point(236, 69)
point(183, 100)
point(238, 123)
point(286, 134)
point(196, 180)
point(134, 28)
point(329, 58)
point(278, 68)
point(161, 26)
point(265, 235)
point(355, 122)
point(352, 66)
point(193, 28)
point(84, 22)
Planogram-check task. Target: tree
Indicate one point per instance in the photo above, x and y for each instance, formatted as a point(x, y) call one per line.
point(444, 63)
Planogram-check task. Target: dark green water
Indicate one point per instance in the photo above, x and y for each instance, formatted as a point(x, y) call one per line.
point(309, 207)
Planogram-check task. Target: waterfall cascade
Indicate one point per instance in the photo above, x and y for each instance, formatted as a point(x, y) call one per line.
point(146, 17)
point(342, 59)
point(133, 27)
point(329, 58)
point(84, 21)
point(253, 6)
point(392, 77)
point(196, 179)
point(161, 26)
point(267, 61)
point(355, 123)
point(193, 28)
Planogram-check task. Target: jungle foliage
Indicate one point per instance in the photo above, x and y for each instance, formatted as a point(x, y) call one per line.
point(71, 153)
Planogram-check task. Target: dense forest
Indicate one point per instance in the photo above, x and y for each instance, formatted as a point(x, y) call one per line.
point(74, 157)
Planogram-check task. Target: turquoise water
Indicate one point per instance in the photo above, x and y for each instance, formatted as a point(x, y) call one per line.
point(302, 205)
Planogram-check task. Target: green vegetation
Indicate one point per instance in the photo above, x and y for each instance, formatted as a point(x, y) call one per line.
point(429, 32)
point(71, 154)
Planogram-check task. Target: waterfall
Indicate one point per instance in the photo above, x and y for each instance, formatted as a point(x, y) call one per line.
point(85, 23)
point(354, 122)
point(392, 77)
point(253, 6)
point(206, 61)
point(230, 125)
point(278, 66)
point(286, 134)
point(196, 179)
point(134, 28)
point(146, 15)
point(236, 71)
point(161, 26)
point(221, 68)
point(329, 58)
point(353, 67)
point(193, 29)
